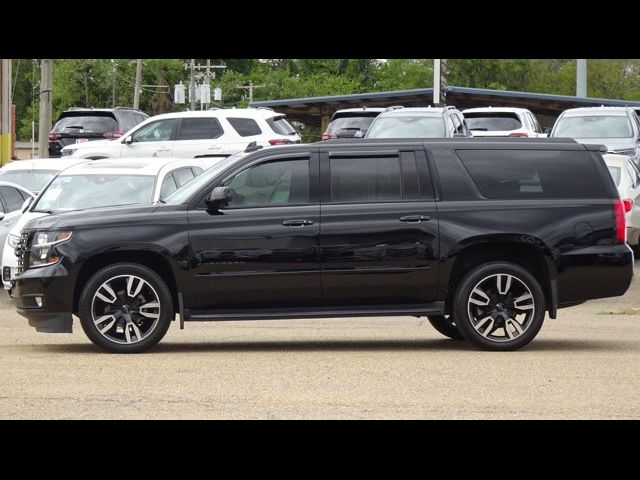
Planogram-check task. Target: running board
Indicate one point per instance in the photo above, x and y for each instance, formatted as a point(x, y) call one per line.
point(419, 310)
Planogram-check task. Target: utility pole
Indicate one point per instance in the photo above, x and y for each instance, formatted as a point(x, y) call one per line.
point(5, 116)
point(113, 84)
point(581, 77)
point(207, 81)
point(44, 124)
point(436, 81)
point(250, 87)
point(137, 89)
point(192, 85)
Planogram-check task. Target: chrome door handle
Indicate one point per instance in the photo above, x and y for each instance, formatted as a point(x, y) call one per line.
point(297, 223)
point(415, 218)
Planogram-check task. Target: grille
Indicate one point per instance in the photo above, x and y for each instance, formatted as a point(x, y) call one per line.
point(21, 251)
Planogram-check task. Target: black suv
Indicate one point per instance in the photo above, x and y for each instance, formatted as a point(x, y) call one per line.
point(481, 236)
point(78, 125)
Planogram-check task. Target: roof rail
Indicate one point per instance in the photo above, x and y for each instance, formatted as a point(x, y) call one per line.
point(394, 107)
point(450, 107)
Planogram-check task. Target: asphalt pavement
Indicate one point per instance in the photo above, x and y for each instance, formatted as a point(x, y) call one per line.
point(583, 365)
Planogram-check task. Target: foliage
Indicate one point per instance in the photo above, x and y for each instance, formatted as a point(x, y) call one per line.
point(110, 82)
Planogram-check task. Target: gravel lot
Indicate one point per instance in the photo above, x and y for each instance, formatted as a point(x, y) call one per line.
point(583, 365)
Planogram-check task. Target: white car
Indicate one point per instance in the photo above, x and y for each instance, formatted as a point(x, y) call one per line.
point(103, 183)
point(208, 133)
point(20, 181)
point(502, 122)
point(627, 178)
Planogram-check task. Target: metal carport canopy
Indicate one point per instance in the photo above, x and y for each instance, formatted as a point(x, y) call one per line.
point(546, 106)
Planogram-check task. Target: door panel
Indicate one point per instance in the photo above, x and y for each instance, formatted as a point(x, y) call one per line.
point(261, 251)
point(152, 140)
point(378, 252)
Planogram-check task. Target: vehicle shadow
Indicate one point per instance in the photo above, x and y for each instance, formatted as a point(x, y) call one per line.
point(349, 345)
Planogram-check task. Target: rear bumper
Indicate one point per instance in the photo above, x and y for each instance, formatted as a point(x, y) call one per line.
point(594, 272)
point(45, 298)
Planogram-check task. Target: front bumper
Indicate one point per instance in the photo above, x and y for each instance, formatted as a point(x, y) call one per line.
point(51, 286)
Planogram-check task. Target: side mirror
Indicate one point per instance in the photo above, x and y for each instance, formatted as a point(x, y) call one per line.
point(27, 203)
point(218, 198)
point(458, 134)
point(359, 134)
point(547, 131)
point(128, 140)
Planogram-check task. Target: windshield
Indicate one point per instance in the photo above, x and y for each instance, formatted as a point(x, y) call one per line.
point(407, 127)
point(78, 192)
point(32, 180)
point(594, 126)
point(184, 194)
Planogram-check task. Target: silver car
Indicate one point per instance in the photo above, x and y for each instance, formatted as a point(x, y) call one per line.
point(617, 128)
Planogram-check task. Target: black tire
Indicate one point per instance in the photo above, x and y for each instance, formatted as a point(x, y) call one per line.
point(445, 324)
point(499, 309)
point(119, 272)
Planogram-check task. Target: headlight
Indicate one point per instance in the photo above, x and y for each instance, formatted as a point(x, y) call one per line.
point(41, 252)
point(68, 152)
point(13, 240)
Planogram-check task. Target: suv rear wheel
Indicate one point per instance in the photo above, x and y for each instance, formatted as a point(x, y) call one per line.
point(499, 306)
point(125, 308)
point(446, 325)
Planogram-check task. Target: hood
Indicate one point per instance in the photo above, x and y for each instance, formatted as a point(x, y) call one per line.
point(610, 143)
point(105, 217)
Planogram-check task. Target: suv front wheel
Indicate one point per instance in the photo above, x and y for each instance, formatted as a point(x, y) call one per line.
point(499, 306)
point(125, 308)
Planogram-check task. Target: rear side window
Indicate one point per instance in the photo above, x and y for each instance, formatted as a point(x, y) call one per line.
point(489, 122)
point(280, 126)
point(86, 124)
point(352, 122)
point(183, 175)
point(515, 174)
point(246, 127)
point(365, 179)
point(615, 174)
point(12, 198)
point(199, 129)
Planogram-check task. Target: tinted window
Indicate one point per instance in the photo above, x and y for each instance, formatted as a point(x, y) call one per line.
point(32, 180)
point(183, 175)
point(12, 198)
point(159, 131)
point(129, 119)
point(489, 122)
point(534, 174)
point(271, 184)
point(365, 179)
point(199, 129)
point(86, 124)
point(593, 126)
point(168, 186)
point(246, 127)
point(280, 126)
point(407, 126)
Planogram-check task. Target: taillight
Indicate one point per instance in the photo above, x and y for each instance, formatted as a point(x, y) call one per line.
point(279, 141)
point(621, 228)
point(114, 134)
point(326, 136)
point(628, 204)
point(519, 134)
point(53, 136)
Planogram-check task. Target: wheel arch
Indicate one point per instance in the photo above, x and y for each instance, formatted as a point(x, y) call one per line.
point(525, 250)
point(153, 260)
